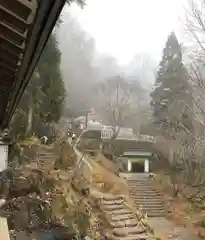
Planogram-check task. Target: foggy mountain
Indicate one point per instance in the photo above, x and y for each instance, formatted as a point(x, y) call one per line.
point(143, 68)
point(83, 66)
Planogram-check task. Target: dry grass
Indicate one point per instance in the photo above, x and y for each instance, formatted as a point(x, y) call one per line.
point(107, 181)
point(67, 157)
point(181, 211)
point(107, 164)
point(64, 205)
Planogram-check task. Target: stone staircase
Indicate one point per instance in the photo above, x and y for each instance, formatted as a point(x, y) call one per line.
point(122, 223)
point(146, 197)
point(45, 158)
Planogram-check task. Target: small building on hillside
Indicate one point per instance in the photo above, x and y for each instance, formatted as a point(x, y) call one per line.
point(134, 161)
point(89, 121)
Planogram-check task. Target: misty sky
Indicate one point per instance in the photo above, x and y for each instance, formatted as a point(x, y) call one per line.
point(124, 28)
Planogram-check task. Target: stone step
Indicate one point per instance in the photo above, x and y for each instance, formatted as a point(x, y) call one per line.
point(139, 179)
point(145, 200)
point(122, 222)
point(143, 187)
point(150, 206)
point(46, 153)
point(46, 164)
point(147, 187)
point(134, 237)
point(139, 183)
point(49, 161)
point(112, 207)
point(149, 209)
point(155, 213)
point(138, 176)
point(142, 191)
point(43, 152)
point(112, 198)
point(46, 158)
point(138, 187)
point(159, 220)
point(111, 202)
point(150, 203)
point(123, 232)
point(126, 223)
point(122, 217)
point(144, 195)
point(119, 211)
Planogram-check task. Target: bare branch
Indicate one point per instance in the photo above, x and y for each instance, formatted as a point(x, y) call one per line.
point(119, 101)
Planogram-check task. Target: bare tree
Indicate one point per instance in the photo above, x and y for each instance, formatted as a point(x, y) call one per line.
point(195, 26)
point(185, 146)
point(118, 102)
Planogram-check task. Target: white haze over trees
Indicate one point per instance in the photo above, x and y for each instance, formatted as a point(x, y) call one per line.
point(83, 66)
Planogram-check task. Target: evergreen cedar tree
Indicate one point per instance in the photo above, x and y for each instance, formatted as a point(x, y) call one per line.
point(171, 89)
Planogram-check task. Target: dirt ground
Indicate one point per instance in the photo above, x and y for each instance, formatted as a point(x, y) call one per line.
point(106, 163)
point(180, 210)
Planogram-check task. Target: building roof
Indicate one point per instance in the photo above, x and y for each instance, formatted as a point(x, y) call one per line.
point(25, 26)
point(136, 153)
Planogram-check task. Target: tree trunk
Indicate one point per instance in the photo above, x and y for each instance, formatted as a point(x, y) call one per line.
point(86, 120)
point(30, 116)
